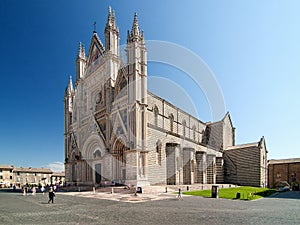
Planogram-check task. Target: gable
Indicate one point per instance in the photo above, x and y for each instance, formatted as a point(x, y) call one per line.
point(96, 50)
point(227, 120)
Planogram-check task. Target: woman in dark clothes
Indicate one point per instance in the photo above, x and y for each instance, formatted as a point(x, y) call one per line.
point(51, 195)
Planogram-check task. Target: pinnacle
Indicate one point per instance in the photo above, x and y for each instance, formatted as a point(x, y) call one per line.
point(135, 27)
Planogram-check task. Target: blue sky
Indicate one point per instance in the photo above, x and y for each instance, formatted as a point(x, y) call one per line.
point(252, 47)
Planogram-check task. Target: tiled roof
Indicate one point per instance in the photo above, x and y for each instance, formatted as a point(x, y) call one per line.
point(32, 170)
point(243, 146)
point(58, 174)
point(6, 167)
point(280, 161)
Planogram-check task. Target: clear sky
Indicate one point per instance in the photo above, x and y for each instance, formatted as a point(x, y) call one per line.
point(252, 48)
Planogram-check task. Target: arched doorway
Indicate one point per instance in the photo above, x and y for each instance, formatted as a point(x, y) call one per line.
point(119, 161)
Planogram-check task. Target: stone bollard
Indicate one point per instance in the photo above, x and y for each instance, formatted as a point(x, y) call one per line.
point(94, 190)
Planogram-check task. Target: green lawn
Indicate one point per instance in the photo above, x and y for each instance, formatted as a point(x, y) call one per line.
point(246, 193)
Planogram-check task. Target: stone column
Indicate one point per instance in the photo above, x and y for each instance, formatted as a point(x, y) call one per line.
point(219, 170)
point(211, 169)
point(201, 167)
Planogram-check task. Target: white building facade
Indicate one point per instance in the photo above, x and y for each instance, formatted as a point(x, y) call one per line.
point(116, 130)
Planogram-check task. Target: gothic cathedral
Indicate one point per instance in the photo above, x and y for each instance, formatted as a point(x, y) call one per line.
point(117, 131)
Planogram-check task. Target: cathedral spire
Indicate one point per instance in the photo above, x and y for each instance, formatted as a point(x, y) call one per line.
point(80, 62)
point(135, 31)
point(81, 51)
point(111, 20)
point(69, 97)
point(70, 88)
point(111, 33)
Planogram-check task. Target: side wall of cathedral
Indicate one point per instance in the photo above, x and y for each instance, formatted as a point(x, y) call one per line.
point(174, 141)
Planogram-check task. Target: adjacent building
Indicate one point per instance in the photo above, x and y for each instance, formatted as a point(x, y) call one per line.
point(284, 170)
point(6, 175)
point(116, 130)
point(19, 176)
point(33, 176)
point(58, 178)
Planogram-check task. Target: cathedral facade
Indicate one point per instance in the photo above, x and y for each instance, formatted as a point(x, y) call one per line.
point(117, 131)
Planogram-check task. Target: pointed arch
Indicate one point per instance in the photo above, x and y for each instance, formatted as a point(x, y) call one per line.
point(183, 128)
point(155, 111)
point(171, 118)
point(92, 144)
point(119, 148)
point(121, 84)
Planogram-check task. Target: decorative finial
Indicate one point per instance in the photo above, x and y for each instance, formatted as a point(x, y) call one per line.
point(95, 27)
point(109, 10)
point(135, 27)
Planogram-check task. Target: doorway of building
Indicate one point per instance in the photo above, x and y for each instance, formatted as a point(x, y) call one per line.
point(98, 173)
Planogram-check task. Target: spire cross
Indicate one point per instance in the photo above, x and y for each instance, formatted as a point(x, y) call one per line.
point(95, 26)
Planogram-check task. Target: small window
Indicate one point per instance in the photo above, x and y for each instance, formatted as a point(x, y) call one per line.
point(1, 177)
point(183, 128)
point(155, 115)
point(171, 118)
point(194, 133)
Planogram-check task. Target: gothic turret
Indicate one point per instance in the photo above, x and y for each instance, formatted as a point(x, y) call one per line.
point(137, 73)
point(69, 96)
point(80, 62)
point(111, 33)
point(136, 50)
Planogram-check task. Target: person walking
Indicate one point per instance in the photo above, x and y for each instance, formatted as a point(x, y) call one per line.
point(43, 190)
point(33, 190)
point(51, 195)
point(179, 196)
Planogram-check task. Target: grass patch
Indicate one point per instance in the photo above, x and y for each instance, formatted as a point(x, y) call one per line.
point(246, 193)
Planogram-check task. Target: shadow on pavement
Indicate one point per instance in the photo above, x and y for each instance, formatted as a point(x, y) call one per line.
point(286, 195)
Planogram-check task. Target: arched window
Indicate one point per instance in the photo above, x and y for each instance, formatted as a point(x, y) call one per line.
point(97, 154)
point(155, 110)
point(171, 118)
point(183, 128)
point(194, 133)
point(123, 83)
point(158, 151)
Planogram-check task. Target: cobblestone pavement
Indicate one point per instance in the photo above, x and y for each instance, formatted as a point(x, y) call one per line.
point(86, 208)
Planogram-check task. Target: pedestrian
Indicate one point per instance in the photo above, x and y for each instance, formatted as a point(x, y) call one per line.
point(33, 190)
point(51, 195)
point(24, 190)
point(43, 190)
point(179, 196)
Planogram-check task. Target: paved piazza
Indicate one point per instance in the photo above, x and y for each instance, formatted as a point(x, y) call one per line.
point(89, 208)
